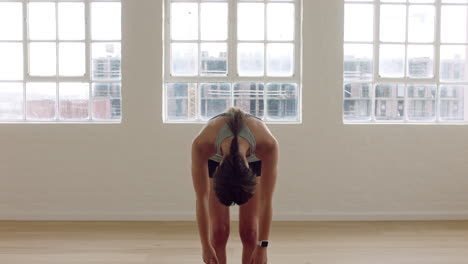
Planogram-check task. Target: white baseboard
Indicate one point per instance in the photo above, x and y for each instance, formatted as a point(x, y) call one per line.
point(279, 216)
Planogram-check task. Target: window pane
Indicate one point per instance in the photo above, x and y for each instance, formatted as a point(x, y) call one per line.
point(280, 21)
point(40, 101)
point(390, 102)
point(42, 21)
point(454, 22)
point(106, 61)
point(181, 101)
point(184, 59)
point(251, 21)
point(282, 100)
point(359, 24)
point(357, 103)
point(213, 59)
point(280, 59)
point(11, 101)
point(453, 64)
point(251, 59)
point(214, 99)
point(393, 23)
point(452, 103)
point(214, 21)
point(74, 100)
point(107, 101)
point(392, 61)
point(11, 62)
point(72, 59)
point(11, 21)
point(42, 59)
point(184, 21)
point(421, 23)
point(105, 21)
point(422, 103)
point(250, 98)
point(420, 61)
point(71, 18)
point(358, 62)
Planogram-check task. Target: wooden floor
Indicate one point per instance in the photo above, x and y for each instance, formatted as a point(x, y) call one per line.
point(413, 242)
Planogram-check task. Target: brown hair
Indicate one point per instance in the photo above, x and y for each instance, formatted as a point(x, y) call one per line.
point(234, 182)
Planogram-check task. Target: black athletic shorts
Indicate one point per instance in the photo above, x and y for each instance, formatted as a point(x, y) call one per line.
point(256, 167)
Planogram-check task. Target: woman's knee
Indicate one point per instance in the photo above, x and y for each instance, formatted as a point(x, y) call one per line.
point(220, 236)
point(248, 236)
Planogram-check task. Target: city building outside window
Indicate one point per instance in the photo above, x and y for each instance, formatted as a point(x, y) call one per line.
point(412, 54)
point(232, 53)
point(60, 61)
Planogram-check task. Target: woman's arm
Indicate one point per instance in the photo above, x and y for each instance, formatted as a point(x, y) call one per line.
point(201, 186)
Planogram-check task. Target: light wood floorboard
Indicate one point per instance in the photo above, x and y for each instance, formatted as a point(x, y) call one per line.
point(89, 242)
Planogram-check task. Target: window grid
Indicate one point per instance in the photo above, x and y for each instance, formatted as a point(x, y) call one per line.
point(232, 77)
point(57, 79)
point(376, 79)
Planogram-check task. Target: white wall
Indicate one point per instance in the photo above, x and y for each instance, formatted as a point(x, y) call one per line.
point(139, 170)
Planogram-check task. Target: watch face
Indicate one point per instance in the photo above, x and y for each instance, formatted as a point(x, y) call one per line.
point(264, 244)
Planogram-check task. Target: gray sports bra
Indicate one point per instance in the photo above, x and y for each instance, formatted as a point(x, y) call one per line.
point(226, 132)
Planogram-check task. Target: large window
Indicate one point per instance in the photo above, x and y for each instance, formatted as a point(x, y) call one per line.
point(232, 53)
point(63, 64)
point(405, 61)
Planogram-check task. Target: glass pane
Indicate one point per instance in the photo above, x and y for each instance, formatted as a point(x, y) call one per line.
point(421, 23)
point(214, 21)
point(280, 21)
point(454, 1)
point(214, 99)
point(452, 102)
point(42, 59)
point(251, 21)
point(11, 21)
point(184, 59)
point(390, 102)
point(11, 62)
point(454, 24)
point(107, 101)
point(213, 59)
point(72, 59)
point(282, 100)
point(105, 21)
point(393, 23)
point(250, 57)
point(358, 62)
point(71, 21)
point(74, 101)
point(40, 101)
point(280, 59)
point(181, 101)
point(11, 101)
point(184, 21)
point(250, 98)
point(106, 62)
point(41, 21)
point(357, 103)
point(422, 103)
point(392, 61)
point(359, 24)
point(453, 64)
point(420, 61)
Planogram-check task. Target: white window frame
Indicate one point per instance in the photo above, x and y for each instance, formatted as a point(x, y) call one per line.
point(377, 79)
point(232, 76)
point(57, 79)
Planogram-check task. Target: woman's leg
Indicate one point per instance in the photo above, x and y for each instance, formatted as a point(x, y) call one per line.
point(248, 226)
point(219, 217)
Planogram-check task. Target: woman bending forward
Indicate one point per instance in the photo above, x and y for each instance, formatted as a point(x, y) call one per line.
point(234, 161)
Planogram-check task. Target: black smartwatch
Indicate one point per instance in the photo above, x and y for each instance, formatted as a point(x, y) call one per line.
point(263, 243)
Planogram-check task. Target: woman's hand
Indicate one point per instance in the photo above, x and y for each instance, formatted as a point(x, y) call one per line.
point(259, 256)
point(209, 255)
